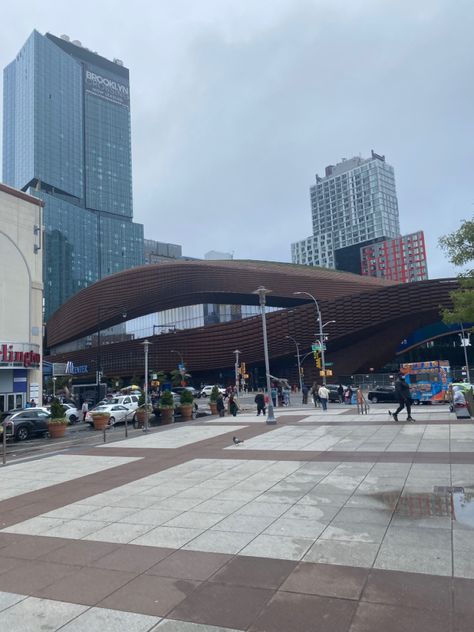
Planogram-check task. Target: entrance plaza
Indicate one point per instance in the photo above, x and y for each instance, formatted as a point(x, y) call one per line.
point(331, 522)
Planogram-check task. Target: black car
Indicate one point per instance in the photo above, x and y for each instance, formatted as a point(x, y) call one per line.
point(27, 422)
point(333, 392)
point(382, 394)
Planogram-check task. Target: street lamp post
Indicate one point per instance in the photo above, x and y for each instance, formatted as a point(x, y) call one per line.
point(463, 342)
point(297, 345)
point(321, 340)
point(236, 367)
point(262, 292)
point(54, 386)
point(101, 308)
point(146, 344)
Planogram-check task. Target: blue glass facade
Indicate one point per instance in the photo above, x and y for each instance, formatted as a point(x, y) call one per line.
point(67, 139)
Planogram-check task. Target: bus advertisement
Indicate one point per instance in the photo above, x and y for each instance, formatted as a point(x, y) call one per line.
point(428, 381)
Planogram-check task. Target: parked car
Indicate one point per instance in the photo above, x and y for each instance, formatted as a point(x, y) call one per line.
point(129, 401)
point(118, 414)
point(382, 394)
point(27, 422)
point(206, 391)
point(180, 389)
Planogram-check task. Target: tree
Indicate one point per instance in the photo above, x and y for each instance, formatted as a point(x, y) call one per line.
point(459, 246)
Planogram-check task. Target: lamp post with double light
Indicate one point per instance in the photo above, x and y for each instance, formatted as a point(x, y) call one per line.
point(146, 343)
point(100, 310)
point(262, 292)
point(321, 338)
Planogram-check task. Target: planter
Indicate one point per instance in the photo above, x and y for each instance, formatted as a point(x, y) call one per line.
point(57, 430)
point(166, 415)
point(140, 416)
point(100, 420)
point(186, 411)
point(213, 407)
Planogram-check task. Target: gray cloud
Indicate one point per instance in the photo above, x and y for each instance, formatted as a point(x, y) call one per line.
point(236, 105)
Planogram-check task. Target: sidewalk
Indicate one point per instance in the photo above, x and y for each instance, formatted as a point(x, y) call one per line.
point(327, 521)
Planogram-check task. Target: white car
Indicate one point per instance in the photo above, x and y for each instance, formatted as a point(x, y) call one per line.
point(118, 414)
point(129, 401)
point(71, 413)
point(206, 391)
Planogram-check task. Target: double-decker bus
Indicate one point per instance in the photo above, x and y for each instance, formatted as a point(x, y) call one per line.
point(428, 381)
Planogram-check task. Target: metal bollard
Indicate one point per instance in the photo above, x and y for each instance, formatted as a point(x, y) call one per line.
point(126, 427)
point(105, 434)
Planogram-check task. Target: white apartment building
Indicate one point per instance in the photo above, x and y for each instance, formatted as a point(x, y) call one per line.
point(354, 203)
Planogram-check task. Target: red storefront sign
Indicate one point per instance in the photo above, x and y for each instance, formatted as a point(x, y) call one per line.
point(19, 355)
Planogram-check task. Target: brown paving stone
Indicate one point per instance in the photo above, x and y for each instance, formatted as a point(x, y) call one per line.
point(227, 606)
point(255, 571)
point(464, 597)
point(79, 552)
point(305, 613)
point(7, 563)
point(132, 558)
point(29, 547)
point(190, 565)
point(327, 580)
point(376, 618)
point(85, 586)
point(149, 594)
point(27, 577)
point(412, 590)
point(462, 623)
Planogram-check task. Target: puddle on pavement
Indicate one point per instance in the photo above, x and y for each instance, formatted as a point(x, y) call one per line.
point(454, 502)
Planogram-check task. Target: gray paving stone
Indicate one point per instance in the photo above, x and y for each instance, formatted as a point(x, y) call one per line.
point(343, 553)
point(106, 620)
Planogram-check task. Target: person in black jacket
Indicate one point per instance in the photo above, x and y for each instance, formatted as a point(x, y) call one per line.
point(402, 391)
point(260, 401)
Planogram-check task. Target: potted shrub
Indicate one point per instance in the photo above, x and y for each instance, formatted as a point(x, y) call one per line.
point(58, 422)
point(166, 407)
point(141, 412)
point(100, 419)
point(213, 399)
point(187, 402)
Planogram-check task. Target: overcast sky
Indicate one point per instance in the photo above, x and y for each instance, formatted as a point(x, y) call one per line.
point(236, 104)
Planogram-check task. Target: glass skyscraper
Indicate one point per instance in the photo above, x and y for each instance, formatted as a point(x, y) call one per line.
point(67, 140)
point(354, 204)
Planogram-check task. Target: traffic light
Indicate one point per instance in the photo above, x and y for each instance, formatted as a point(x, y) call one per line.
point(243, 370)
point(317, 357)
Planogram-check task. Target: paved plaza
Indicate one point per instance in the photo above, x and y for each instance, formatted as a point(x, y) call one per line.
point(326, 521)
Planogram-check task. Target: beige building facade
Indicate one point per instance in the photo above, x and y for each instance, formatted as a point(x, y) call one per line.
point(21, 298)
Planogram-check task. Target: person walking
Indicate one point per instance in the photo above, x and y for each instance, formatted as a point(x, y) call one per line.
point(348, 395)
point(260, 401)
point(85, 410)
point(402, 391)
point(220, 405)
point(323, 394)
point(274, 394)
point(340, 393)
point(233, 405)
point(305, 391)
point(314, 394)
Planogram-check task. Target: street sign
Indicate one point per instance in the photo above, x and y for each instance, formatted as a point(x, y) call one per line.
point(317, 347)
point(329, 363)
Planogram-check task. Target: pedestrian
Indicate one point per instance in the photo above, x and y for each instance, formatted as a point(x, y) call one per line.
point(274, 393)
point(286, 396)
point(305, 391)
point(348, 395)
point(314, 394)
point(85, 410)
point(220, 405)
point(340, 393)
point(402, 391)
point(260, 401)
point(323, 394)
point(233, 405)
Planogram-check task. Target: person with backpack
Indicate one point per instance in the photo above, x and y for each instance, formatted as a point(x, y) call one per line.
point(402, 391)
point(260, 401)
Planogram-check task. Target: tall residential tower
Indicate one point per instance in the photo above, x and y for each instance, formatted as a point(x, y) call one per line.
point(353, 205)
point(67, 140)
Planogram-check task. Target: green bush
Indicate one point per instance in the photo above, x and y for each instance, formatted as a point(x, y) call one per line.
point(166, 400)
point(186, 397)
point(214, 394)
point(57, 409)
